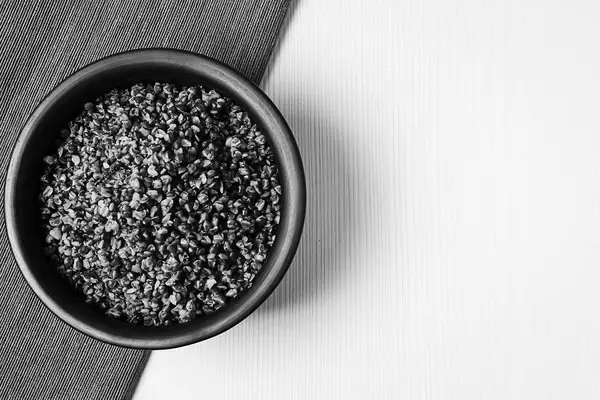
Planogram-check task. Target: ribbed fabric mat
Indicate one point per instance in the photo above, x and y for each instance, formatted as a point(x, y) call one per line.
point(41, 43)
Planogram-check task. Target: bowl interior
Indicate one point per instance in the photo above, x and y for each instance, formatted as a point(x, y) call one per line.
point(37, 140)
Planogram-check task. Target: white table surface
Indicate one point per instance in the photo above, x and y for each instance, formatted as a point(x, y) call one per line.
point(452, 242)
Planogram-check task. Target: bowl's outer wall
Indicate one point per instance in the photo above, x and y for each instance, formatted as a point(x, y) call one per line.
point(37, 139)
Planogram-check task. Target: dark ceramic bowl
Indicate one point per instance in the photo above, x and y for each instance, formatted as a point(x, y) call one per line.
point(63, 104)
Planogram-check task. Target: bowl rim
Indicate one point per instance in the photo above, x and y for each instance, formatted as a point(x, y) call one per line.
point(240, 84)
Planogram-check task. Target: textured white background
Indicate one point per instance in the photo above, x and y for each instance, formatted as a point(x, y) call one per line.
point(452, 242)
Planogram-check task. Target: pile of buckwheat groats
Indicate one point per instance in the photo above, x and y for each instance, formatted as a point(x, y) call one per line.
point(160, 203)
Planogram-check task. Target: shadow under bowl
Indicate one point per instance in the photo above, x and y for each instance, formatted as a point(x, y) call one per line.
point(37, 139)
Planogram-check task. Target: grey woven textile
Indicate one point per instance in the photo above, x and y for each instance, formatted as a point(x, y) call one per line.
point(41, 43)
